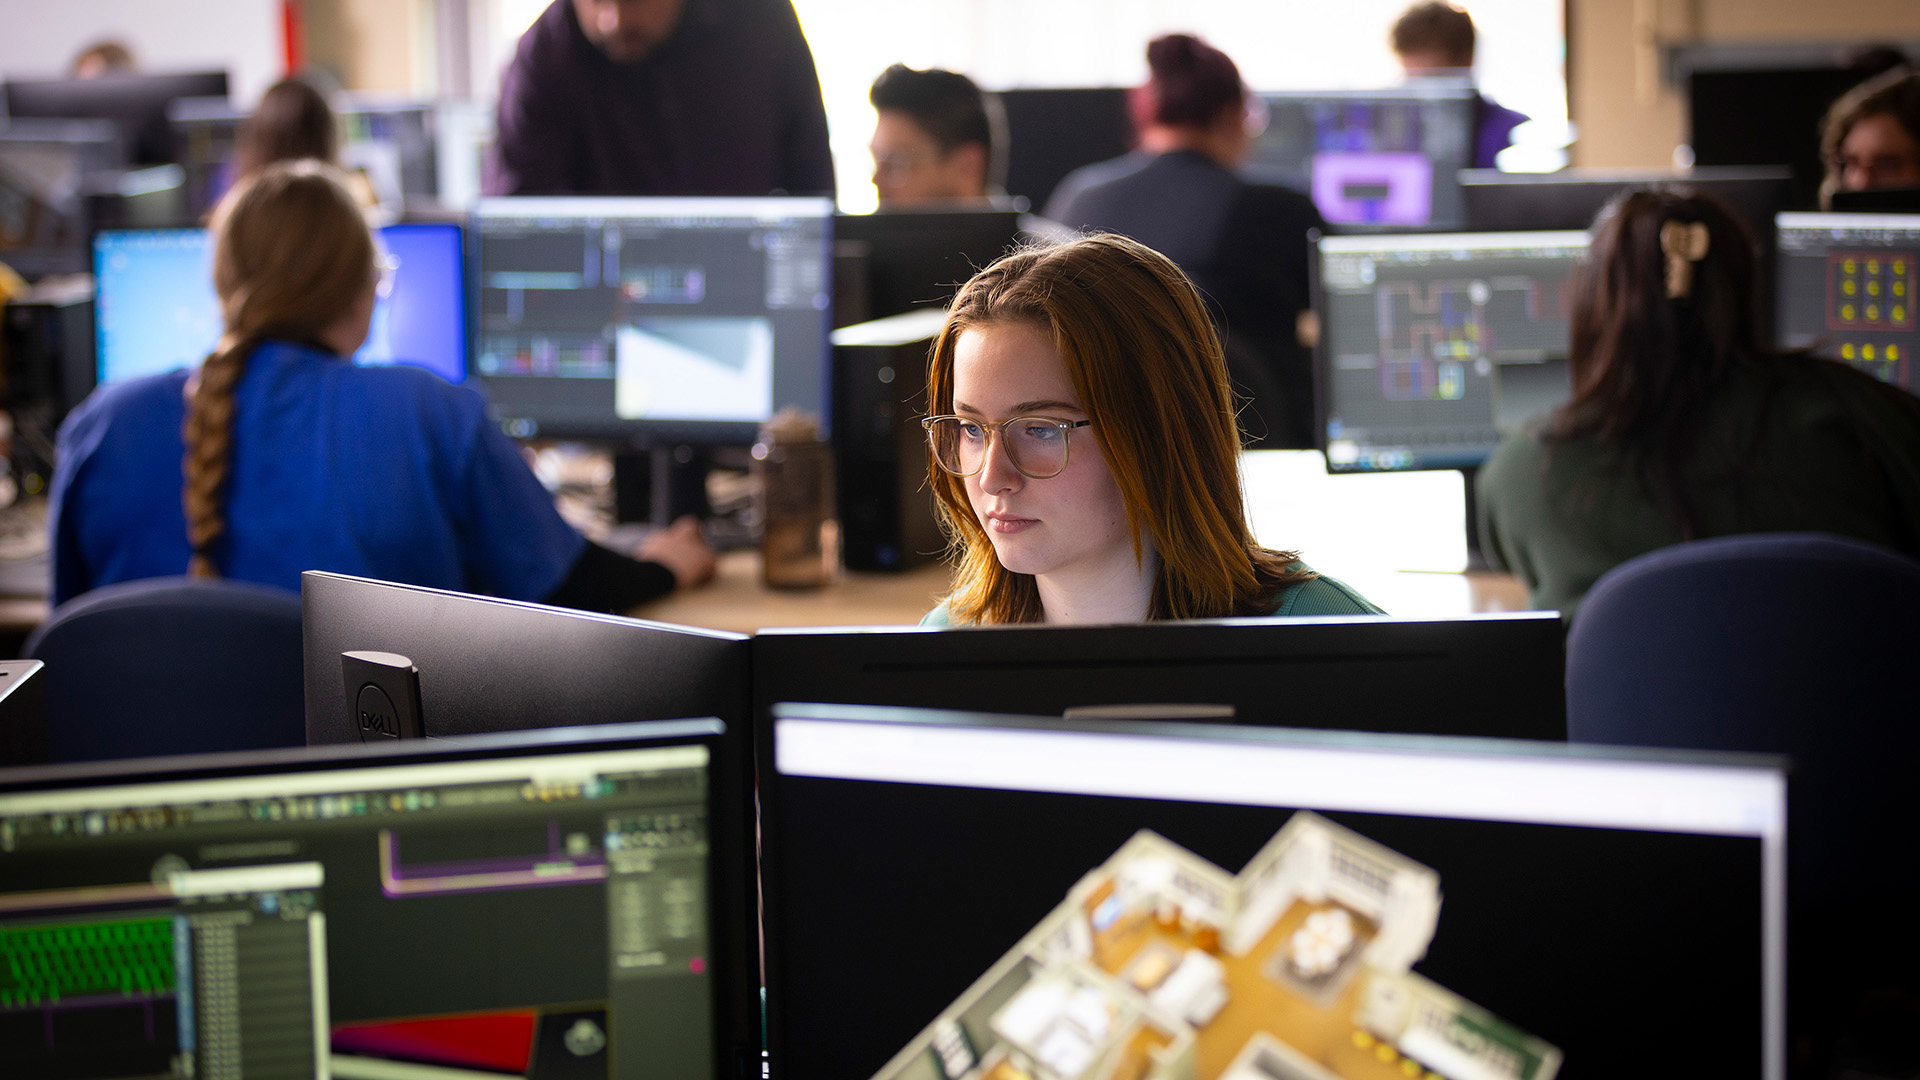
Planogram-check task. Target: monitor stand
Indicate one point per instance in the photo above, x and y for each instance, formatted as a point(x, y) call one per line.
point(661, 485)
point(1476, 558)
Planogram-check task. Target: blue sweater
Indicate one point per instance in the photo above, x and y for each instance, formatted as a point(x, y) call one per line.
point(383, 472)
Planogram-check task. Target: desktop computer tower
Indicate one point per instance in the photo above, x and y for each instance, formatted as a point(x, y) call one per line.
point(49, 352)
point(880, 394)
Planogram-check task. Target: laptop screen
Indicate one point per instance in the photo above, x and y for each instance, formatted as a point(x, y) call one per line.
point(996, 894)
point(473, 908)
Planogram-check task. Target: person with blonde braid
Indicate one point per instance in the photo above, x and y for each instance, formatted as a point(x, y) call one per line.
point(278, 455)
point(1682, 424)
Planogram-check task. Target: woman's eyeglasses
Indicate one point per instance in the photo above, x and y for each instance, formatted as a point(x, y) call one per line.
point(1037, 445)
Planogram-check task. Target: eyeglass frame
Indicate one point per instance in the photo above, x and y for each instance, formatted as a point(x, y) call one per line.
point(1067, 428)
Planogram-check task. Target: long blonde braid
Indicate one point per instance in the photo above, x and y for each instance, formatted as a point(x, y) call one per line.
point(291, 255)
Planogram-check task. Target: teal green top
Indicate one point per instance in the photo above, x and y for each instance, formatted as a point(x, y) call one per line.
point(1798, 445)
point(1320, 596)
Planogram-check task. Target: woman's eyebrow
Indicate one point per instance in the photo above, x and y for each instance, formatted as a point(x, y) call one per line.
point(1025, 408)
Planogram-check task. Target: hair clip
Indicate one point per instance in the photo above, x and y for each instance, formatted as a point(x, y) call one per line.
point(1683, 243)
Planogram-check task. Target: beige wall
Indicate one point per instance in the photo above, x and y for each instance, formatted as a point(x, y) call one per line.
point(1627, 116)
point(384, 46)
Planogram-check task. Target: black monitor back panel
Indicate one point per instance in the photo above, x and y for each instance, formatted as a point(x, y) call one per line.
point(1765, 117)
point(501, 665)
point(1052, 132)
point(138, 103)
point(1496, 675)
point(920, 258)
point(1572, 199)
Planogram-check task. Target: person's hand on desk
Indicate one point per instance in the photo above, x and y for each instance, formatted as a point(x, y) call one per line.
point(680, 548)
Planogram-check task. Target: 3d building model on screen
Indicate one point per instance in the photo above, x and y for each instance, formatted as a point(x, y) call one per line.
point(1161, 966)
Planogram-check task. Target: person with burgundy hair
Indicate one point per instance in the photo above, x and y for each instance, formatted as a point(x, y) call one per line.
point(1243, 244)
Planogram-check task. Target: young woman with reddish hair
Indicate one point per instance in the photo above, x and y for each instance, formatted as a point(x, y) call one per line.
point(1085, 451)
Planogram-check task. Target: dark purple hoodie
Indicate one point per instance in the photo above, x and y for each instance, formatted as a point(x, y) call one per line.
point(729, 104)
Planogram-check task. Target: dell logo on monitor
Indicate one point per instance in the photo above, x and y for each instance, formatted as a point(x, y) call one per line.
point(376, 714)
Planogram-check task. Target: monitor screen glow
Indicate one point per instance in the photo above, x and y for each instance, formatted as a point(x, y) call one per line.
point(156, 311)
point(1434, 347)
point(684, 318)
point(1847, 284)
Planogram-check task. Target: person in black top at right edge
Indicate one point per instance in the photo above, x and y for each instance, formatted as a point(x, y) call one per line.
point(1243, 244)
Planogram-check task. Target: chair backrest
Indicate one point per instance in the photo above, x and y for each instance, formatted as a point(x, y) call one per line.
point(172, 666)
point(1795, 643)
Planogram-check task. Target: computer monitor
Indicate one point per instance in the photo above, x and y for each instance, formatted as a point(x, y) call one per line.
point(652, 320)
point(1847, 284)
point(503, 665)
point(392, 138)
point(156, 309)
point(1371, 159)
point(138, 103)
point(538, 905)
point(1766, 116)
point(1052, 131)
point(46, 168)
point(1433, 348)
point(1897, 200)
point(1051, 899)
point(920, 258)
point(393, 143)
point(205, 132)
point(1493, 675)
point(1571, 198)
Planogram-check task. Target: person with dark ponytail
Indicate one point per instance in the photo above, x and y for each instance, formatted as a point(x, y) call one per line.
point(278, 455)
point(1243, 244)
point(1683, 425)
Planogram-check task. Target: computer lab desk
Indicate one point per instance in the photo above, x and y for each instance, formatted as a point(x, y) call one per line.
point(736, 600)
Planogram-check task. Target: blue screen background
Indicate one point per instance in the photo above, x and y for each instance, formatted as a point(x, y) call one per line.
point(155, 309)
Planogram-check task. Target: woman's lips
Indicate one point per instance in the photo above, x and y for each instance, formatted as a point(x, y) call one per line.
point(1008, 523)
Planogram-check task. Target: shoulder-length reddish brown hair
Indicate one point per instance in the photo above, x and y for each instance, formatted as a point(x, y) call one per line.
point(1147, 367)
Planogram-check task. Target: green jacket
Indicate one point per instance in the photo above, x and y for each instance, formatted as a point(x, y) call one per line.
point(1797, 445)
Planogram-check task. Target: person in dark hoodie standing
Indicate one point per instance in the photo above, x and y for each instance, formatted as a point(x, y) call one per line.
point(662, 97)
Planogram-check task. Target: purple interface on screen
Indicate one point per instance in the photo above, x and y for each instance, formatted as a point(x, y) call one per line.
point(1373, 188)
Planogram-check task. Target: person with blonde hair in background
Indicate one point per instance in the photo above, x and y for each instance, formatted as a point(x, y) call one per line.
point(1084, 452)
point(277, 455)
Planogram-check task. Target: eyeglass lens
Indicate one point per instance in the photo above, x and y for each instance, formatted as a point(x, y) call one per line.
point(1037, 446)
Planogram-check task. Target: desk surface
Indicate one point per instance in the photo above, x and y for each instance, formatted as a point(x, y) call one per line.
point(737, 601)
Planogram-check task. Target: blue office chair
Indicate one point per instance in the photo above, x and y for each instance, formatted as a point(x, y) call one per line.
point(172, 666)
point(1800, 644)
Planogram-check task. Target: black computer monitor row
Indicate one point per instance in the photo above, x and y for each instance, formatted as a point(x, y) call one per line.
point(941, 894)
point(1435, 347)
point(945, 895)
